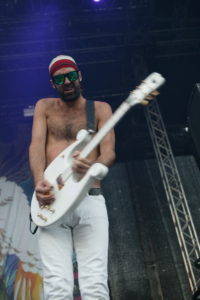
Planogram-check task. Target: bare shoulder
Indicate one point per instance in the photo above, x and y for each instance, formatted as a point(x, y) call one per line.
point(44, 104)
point(102, 108)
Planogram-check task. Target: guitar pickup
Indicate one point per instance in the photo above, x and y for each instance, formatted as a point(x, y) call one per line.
point(52, 210)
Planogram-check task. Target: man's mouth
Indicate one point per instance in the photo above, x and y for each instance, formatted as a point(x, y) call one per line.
point(68, 90)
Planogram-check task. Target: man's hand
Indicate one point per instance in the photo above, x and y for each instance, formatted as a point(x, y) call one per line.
point(80, 165)
point(44, 192)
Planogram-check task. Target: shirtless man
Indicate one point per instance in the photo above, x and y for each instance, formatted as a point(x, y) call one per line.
point(56, 123)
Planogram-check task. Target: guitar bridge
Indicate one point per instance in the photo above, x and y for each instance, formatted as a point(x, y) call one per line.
point(42, 217)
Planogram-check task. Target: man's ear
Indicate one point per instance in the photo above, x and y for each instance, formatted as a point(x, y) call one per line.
point(80, 75)
point(53, 85)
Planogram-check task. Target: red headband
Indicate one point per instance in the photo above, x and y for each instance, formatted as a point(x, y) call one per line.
point(62, 63)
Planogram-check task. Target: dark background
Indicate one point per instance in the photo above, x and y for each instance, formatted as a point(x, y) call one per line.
point(116, 44)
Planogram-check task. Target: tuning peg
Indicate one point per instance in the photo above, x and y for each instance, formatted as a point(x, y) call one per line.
point(149, 97)
point(155, 93)
point(145, 102)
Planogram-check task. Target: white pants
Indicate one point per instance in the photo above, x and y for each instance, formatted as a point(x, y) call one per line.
point(85, 230)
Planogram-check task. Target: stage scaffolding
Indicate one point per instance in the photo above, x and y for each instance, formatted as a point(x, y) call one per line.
point(180, 212)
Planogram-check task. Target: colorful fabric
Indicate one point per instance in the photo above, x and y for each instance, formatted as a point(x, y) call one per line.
point(20, 265)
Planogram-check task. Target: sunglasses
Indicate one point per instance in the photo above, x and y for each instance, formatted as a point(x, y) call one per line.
point(60, 79)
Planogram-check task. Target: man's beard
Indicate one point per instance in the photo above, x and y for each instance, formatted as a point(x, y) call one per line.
point(70, 97)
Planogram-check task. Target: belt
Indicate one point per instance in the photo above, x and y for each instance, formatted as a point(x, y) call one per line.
point(95, 191)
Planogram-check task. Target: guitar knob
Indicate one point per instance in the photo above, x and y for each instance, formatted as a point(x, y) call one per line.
point(98, 171)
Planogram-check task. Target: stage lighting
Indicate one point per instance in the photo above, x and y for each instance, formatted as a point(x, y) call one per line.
point(96, 0)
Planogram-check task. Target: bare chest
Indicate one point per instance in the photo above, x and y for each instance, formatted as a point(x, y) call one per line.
point(65, 126)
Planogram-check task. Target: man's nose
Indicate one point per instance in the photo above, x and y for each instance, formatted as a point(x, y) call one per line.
point(67, 81)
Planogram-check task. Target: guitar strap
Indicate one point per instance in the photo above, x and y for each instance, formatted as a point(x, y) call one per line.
point(33, 231)
point(90, 127)
point(90, 115)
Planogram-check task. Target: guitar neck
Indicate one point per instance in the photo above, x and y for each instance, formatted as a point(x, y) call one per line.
point(138, 96)
point(151, 83)
point(96, 140)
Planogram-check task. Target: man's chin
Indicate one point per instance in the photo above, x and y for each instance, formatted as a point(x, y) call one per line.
point(69, 97)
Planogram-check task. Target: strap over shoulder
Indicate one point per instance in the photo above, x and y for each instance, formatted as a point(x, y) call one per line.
point(90, 115)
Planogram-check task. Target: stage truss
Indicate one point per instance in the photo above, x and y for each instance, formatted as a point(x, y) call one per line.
point(180, 212)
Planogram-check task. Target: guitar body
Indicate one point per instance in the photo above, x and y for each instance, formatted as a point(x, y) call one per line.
point(73, 191)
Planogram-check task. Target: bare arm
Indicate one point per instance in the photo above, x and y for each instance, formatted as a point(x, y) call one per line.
point(107, 145)
point(37, 155)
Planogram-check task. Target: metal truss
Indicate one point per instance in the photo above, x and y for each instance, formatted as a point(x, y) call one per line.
point(180, 212)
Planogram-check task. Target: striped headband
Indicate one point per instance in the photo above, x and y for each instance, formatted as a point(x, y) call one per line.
point(62, 61)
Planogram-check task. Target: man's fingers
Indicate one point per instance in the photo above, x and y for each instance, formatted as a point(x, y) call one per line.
point(46, 184)
point(45, 202)
point(78, 164)
point(83, 163)
point(47, 196)
point(43, 190)
point(45, 199)
point(76, 154)
point(79, 169)
point(44, 187)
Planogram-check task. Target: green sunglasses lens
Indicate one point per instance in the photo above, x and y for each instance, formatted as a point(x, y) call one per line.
point(72, 76)
point(60, 79)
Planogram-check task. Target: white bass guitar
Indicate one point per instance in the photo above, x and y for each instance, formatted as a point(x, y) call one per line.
point(68, 190)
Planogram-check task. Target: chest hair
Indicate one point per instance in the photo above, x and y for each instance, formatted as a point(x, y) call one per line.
point(65, 126)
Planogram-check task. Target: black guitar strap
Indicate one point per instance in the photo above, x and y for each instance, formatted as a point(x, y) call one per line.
point(33, 231)
point(90, 115)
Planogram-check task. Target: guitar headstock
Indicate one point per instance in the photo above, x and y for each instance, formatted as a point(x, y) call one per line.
point(147, 90)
